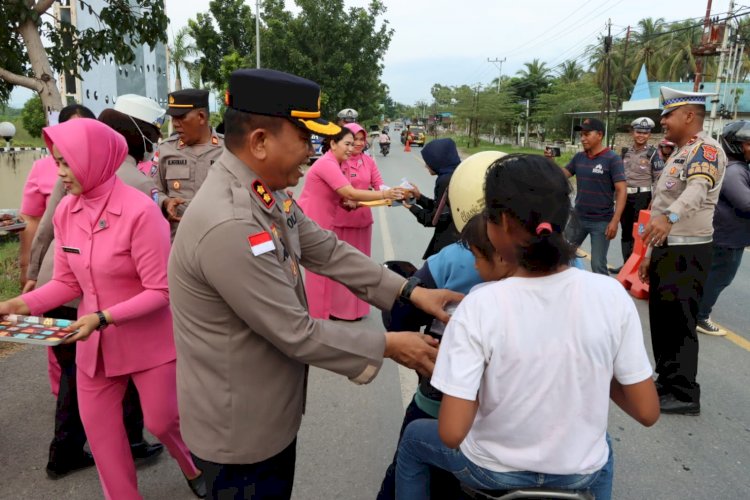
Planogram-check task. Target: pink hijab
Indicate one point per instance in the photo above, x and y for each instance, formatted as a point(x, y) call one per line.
point(356, 128)
point(93, 151)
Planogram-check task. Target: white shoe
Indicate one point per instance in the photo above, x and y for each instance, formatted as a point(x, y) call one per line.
point(708, 327)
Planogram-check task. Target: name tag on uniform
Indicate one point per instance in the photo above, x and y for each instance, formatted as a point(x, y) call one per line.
point(261, 243)
point(71, 250)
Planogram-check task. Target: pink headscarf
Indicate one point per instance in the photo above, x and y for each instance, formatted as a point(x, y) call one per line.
point(93, 151)
point(356, 128)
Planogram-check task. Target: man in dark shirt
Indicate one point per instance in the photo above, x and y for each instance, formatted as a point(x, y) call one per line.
point(600, 179)
point(731, 223)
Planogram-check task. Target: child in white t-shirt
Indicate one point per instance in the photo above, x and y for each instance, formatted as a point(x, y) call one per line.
point(527, 365)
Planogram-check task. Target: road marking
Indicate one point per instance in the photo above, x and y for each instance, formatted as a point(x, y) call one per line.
point(730, 336)
point(406, 378)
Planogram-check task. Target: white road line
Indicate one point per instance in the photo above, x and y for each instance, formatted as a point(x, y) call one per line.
point(407, 378)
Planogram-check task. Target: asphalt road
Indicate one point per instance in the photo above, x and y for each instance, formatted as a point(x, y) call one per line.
point(349, 432)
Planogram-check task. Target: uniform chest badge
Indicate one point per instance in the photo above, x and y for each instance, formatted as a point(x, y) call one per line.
point(180, 144)
point(670, 184)
point(672, 170)
point(215, 140)
point(287, 206)
point(176, 185)
point(261, 191)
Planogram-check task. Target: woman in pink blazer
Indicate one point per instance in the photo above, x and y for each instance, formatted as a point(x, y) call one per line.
point(111, 248)
point(332, 188)
point(354, 224)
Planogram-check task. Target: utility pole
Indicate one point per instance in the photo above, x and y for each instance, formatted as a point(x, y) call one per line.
point(608, 77)
point(622, 71)
point(526, 133)
point(699, 62)
point(720, 69)
point(499, 69)
point(257, 33)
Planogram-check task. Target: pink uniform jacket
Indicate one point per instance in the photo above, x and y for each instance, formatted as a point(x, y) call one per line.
point(116, 260)
point(39, 186)
point(319, 198)
point(362, 173)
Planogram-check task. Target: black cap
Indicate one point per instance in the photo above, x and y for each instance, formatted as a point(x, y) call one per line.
point(275, 93)
point(590, 124)
point(183, 101)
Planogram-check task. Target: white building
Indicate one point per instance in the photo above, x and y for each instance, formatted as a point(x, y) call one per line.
point(98, 88)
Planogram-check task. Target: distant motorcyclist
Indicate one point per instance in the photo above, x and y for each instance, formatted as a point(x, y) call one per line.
point(385, 142)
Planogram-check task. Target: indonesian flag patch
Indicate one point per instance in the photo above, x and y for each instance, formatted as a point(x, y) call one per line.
point(261, 243)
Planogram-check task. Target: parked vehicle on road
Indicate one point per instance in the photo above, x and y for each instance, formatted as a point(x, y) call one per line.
point(317, 143)
point(418, 135)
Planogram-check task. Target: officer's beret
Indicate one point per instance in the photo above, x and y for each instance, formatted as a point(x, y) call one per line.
point(183, 101)
point(275, 93)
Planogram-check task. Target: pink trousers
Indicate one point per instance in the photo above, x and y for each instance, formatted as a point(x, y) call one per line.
point(100, 404)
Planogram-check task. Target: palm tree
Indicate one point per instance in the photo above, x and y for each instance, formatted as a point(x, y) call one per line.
point(181, 49)
point(648, 45)
point(533, 80)
point(570, 72)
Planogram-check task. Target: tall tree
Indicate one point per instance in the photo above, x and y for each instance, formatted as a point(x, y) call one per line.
point(533, 80)
point(32, 116)
point(339, 48)
point(570, 71)
point(181, 50)
point(26, 61)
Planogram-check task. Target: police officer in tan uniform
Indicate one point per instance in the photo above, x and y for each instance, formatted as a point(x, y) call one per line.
point(185, 157)
point(243, 334)
point(642, 166)
point(679, 235)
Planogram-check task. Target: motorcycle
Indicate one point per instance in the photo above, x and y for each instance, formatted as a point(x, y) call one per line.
point(385, 148)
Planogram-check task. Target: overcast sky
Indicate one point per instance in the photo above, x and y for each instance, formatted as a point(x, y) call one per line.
point(449, 41)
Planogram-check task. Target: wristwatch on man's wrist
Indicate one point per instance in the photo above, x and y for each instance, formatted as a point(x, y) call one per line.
point(672, 217)
point(411, 283)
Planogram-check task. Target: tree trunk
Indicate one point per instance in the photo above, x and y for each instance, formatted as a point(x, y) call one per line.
point(177, 78)
point(43, 74)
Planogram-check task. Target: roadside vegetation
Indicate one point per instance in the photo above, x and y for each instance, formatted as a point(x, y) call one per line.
point(9, 278)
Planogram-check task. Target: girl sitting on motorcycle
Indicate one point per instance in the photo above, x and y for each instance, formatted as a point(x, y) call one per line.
point(527, 365)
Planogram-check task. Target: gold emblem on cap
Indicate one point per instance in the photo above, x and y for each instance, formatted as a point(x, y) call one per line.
point(171, 99)
point(318, 101)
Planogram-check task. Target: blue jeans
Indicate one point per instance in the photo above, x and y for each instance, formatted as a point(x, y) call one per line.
point(724, 265)
point(421, 447)
point(577, 230)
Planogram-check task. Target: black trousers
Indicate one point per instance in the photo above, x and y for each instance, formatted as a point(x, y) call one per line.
point(634, 203)
point(69, 434)
point(270, 479)
point(676, 278)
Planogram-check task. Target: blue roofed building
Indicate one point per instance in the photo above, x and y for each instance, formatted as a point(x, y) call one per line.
point(732, 101)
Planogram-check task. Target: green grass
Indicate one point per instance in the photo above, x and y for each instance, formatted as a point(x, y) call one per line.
point(9, 271)
point(22, 138)
point(464, 145)
point(9, 279)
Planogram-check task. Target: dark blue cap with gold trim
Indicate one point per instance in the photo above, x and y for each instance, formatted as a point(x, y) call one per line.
point(181, 102)
point(275, 93)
